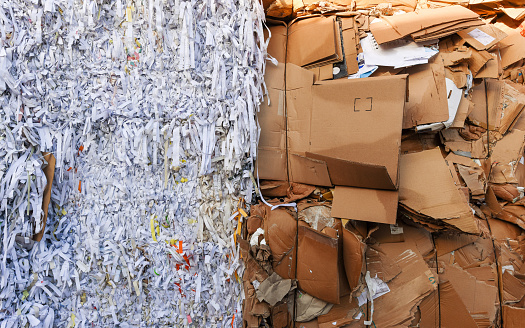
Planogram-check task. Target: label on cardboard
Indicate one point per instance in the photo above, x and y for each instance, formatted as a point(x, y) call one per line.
point(481, 36)
point(395, 229)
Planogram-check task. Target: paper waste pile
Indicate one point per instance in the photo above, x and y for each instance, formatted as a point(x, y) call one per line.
point(135, 122)
point(391, 167)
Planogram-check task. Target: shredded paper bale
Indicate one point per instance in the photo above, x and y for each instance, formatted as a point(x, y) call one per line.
point(149, 109)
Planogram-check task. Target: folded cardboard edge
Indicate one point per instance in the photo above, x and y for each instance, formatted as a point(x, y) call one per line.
point(49, 172)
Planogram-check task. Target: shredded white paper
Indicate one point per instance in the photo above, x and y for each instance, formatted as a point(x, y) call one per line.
point(149, 108)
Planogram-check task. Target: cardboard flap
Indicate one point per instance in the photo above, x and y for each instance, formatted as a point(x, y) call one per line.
point(309, 171)
point(353, 255)
point(358, 121)
point(347, 173)
point(317, 264)
point(365, 204)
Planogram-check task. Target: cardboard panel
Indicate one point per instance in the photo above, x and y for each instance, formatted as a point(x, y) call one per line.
point(365, 204)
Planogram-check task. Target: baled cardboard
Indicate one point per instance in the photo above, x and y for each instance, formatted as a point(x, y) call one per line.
point(466, 106)
point(478, 60)
point(450, 241)
point(471, 172)
point(340, 314)
point(271, 117)
point(308, 307)
point(433, 22)
point(49, 172)
point(426, 187)
point(320, 270)
point(365, 204)
point(491, 68)
point(513, 288)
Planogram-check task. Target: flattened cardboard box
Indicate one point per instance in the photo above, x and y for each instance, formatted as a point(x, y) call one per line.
point(343, 132)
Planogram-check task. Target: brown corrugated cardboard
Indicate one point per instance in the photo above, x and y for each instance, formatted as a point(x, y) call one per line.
point(513, 288)
point(511, 49)
point(340, 314)
point(331, 145)
point(320, 270)
point(428, 95)
point(478, 60)
point(49, 172)
point(505, 156)
point(353, 257)
point(477, 36)
point(443, 201)
point(314, 41)
point(271, 117)
point(480, 299)
point(450, 241)
point(505, 104)
point(466, 106)
point(453, 310)
point(318, 263)
point(491, 68)
point(513, 317)
point(364, 204)
point(407, 289)
point(500, 212)
point(439, 22)
point(471, 173)
point(454, 142)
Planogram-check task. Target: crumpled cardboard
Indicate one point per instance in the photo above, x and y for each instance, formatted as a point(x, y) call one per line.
point(470, 172)
point(424, 24)
point(454, 142)
point(502, 212)
point(308, 307)
point(505, 157)
point(410, 284)
point(428, 95)
point(319, 254)
point(443, 202)
point(273, 289)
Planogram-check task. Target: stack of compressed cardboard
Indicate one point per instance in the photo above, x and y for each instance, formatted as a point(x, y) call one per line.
point(391, 167)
